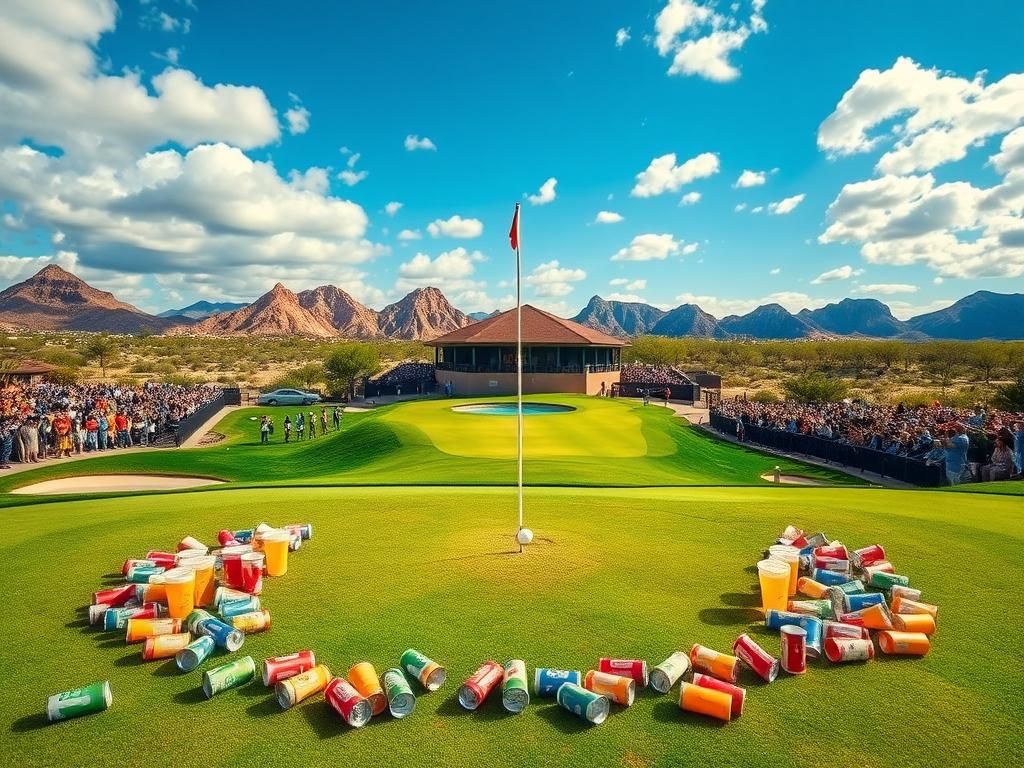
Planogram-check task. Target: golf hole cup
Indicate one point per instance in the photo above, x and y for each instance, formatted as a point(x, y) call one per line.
point(180, 584)
point(363, 678)
point(791, 557)
point(430, 674)
point(275, 547)
point(773, 576)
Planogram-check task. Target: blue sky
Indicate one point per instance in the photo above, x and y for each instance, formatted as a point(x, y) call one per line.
point(171, 151)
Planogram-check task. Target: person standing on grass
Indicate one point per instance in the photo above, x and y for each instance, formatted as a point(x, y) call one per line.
point(43, 436)
point(957, 446)
point(336, 416)
point(300, 426)
point(7, 430)
point(312, 425)
point(323, 421)
point(287, 428)
point(1018, 447)
point(668, 394)
point(101, 434)
point(121, 424)
point(29, 437)
point(62, 428)
point(264, 430)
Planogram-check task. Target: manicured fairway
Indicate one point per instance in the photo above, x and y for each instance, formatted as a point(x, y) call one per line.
point(625, 572)
point(604, 442)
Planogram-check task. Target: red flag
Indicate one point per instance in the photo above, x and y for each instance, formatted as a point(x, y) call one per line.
point(513, 234)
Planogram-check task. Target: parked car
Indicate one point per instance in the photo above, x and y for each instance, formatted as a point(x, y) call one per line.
point(288, 397)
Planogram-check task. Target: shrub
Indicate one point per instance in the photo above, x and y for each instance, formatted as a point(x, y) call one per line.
point(765, 396)
point(815, 388)
point(1010, 397)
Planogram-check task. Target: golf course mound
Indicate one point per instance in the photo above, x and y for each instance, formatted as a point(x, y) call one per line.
point(114, 483)
point(791, 479)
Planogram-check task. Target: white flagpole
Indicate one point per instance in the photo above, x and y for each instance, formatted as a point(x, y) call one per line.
point(519, 371)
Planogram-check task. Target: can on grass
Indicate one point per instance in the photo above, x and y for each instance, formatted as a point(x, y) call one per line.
point(278, 668)
point(87, 700)
point(914, 622)
point(840, 649)
point(430, 674)
point(865, 600)
point(757, 658)
point(224, 635)
point(903, 643)
point(794, 649)
point(230, 675)
point(194, 654)
point(823, 608)
point(872, 617)
point(515, 695)
point(721, 665)
point(547, 681)
point(137, 630)
point(476, 689)
point(845, 631)
point(164, 646)
point(884, 580)
point(907, 606)
point(737, 695)
point(869, 555)
point(364, 679)
point(634, 668)
point(907, 593)
point(401, 701)
point(621, 690)
point(705, 701)
point(587, 705)
point(291, 691)
point(252, 623)
point(115, 597)
point(346, 701)
point(231, 608)
point(811, 588)
point(670, 671)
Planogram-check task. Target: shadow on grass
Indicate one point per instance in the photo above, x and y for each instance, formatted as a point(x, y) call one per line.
point(190, 696)
point(78, 624)
point(563, 719)
point(325, 722)
point(168, 669)
point(491, 709)
point(254, 688)
point(740, 599)
point(131, 660)
point(265, 708)
point(669, 712)
point(725, 617)
point(30, 723)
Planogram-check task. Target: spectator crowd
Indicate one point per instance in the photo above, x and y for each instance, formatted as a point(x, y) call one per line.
point(651, 375)
point(971, 444)
point(41, 421)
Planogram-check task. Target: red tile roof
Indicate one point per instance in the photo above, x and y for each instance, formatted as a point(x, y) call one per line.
point(539, 327)
point(31, 368)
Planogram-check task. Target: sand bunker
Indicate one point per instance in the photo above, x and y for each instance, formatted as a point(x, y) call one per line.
point(107, 483)
point(791, 479)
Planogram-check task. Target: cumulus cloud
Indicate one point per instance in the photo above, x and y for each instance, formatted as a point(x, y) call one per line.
point(775, 271)
point(627, 284)
point(690, 198)
point(621, 37)
point(720, 307)
point(750, 179)
point(413, 143)
point(627, 297)
point(298, 119)
point(456, 226)
point(844, 272)
point(786, 205)
point(701, 40)
point(689, 248)
point(456, 264)
point(740, 207)
point(410, 234)
point(607, 217)
point(663, 175)
point(546, 193)
point(392, 208)
point(648, 247)
point(550, 279)
point(350, 176)
point(887, 289)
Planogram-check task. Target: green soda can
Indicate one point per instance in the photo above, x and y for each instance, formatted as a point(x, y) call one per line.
point(855, 587)
point(515, 695)
point(886, 581)
point(194, 654)
point(194, 618)
point(230, 675)
point(667, 674)
point(401, 701)
point(87, 700)
point(430, 674)
point(592, 707)
point(823, 608)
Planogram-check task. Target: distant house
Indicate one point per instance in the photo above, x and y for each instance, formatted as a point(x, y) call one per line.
point(28, 372)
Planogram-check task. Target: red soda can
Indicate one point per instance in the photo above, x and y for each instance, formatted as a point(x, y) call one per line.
point(278, 668)
point(794, 649)
point(739, 695)
point(842, 631)
point(757, 658)
point(632, 668)
point(476, 688)
point(226, 538)
point(847, 649)
point(162, 559)
point(829, 563)
point(115, 597)
point(132, 562)
point(834, 550)
point(867, 555)
point(791, 535)
point(346, 701)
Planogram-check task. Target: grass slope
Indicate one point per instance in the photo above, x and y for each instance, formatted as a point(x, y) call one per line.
point(635, 573)
point(405, 445)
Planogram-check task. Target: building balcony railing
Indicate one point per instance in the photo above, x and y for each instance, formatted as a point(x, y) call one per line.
point(460, 368)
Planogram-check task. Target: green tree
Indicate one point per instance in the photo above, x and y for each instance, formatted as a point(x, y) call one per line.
point(348, 363)
point(943, 359)
point(815, 388)
point(985, 357)
point(309, 374)
point(103, 349)
point(1010, 397)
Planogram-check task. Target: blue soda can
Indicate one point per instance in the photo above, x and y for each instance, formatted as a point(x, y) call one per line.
point(590, 706)
point(243, 537)
point(829, 578)
point(117, 618)
point(812, 625)
point(230, 608)
point(140, 574)
point(194, 654)
point(856, 602)
point(774, 619)
point(224, 635)
point(546, 681)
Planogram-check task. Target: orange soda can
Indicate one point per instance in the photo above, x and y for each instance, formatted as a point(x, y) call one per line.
point(914, 622)
point(139, 629)
point(721, 665)
point(164, 646)
point(292, 690)
point(253, 622)
point(621, 690)
point(365, 680)
point(904, 643)
point(736, 694)
point(811, 588)
point(705, 701)
point(152, 593)
point(903, 605)
point(873, 617)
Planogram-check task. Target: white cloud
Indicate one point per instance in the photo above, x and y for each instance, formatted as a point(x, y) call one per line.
point(887, 289)
point(663, 175)
point(689, 249)
point(412, 143)
point(740, 207)
point(719, 307)
point(621, 37)
point(757, 209)
point(750, 179)
point(392, 208)
point(786, 205)
point(844, 272)
point(171, 56)
point(607, 217)
point(775, 271)
point(410, 234)
point(627, 284)
point(311, 180)
point(628, 297)
point(677, 17)
point(937, 281)
point(546, 193)
point(701, 40)
point(351, 178)
point(690, 198)
point(456, 226)
point(456, 264)
point(298, 119)
point(648, 247)
point(618, 281)
point(553, 280)
point(942, 115)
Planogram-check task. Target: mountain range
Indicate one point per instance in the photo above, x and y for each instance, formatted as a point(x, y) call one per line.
point(54, 299)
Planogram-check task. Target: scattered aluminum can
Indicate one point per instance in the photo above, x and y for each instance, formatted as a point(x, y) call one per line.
point(634, 668)
point(137, 630)
point(845, 631)
point(227, 594)
point(430, 674)
point(278, 668)
point(401, 700)
point(810, 624)
point(134, 562)
point(164, 559)
point(291, 691)
point(810, 588)
point(923, 623)
point(817, 540)
point(141, 574)
point(883, 567)
point(904, 643)
point(364, 679)
point(852, 587)
point(908, 593)
point(884, 580)
point(164, 646)
point(252, 622)
point(838, 649)
point(823, 609)
point(867, 555)
point(191, 542)
point(794, 649)
point(829, 578)
point(244, 536)
point(305, 530)
point(117, 618)
point(230, 675)
point(835, 550)
point(858, 602)
point(224, 635)
point(116, 597)
point(193, 619)
point(515, 695)
point(226, 538)
point(721, 665)
point(763, 664)
point(705, 701)
point(231, 608)
point(87, 700)
point(621, 690)
point(97, 613)
point(906, 605)
point(476, 689)
point(670, 671)
point(590, 706)
point(833, 564)
point(547, 681)
point(737, 696)
point(194, 654)
point(346, 701)
point(872, 617)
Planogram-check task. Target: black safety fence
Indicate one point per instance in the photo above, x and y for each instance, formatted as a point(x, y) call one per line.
point(178, 432)
point(908, 470)
point(688, 393)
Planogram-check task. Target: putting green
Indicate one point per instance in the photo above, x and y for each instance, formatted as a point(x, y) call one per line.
point(622, 572)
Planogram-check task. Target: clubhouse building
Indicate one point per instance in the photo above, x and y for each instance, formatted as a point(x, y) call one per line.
point(558, 356)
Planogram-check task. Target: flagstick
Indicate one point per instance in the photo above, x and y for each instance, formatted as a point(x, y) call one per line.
point(519, 373)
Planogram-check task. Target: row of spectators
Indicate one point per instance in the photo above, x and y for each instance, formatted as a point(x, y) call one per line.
point(405, 372)
point(651, 375)
point(38, 421)
point(991, 441)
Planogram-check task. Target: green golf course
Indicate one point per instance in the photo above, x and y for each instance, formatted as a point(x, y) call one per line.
point(413, 547)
